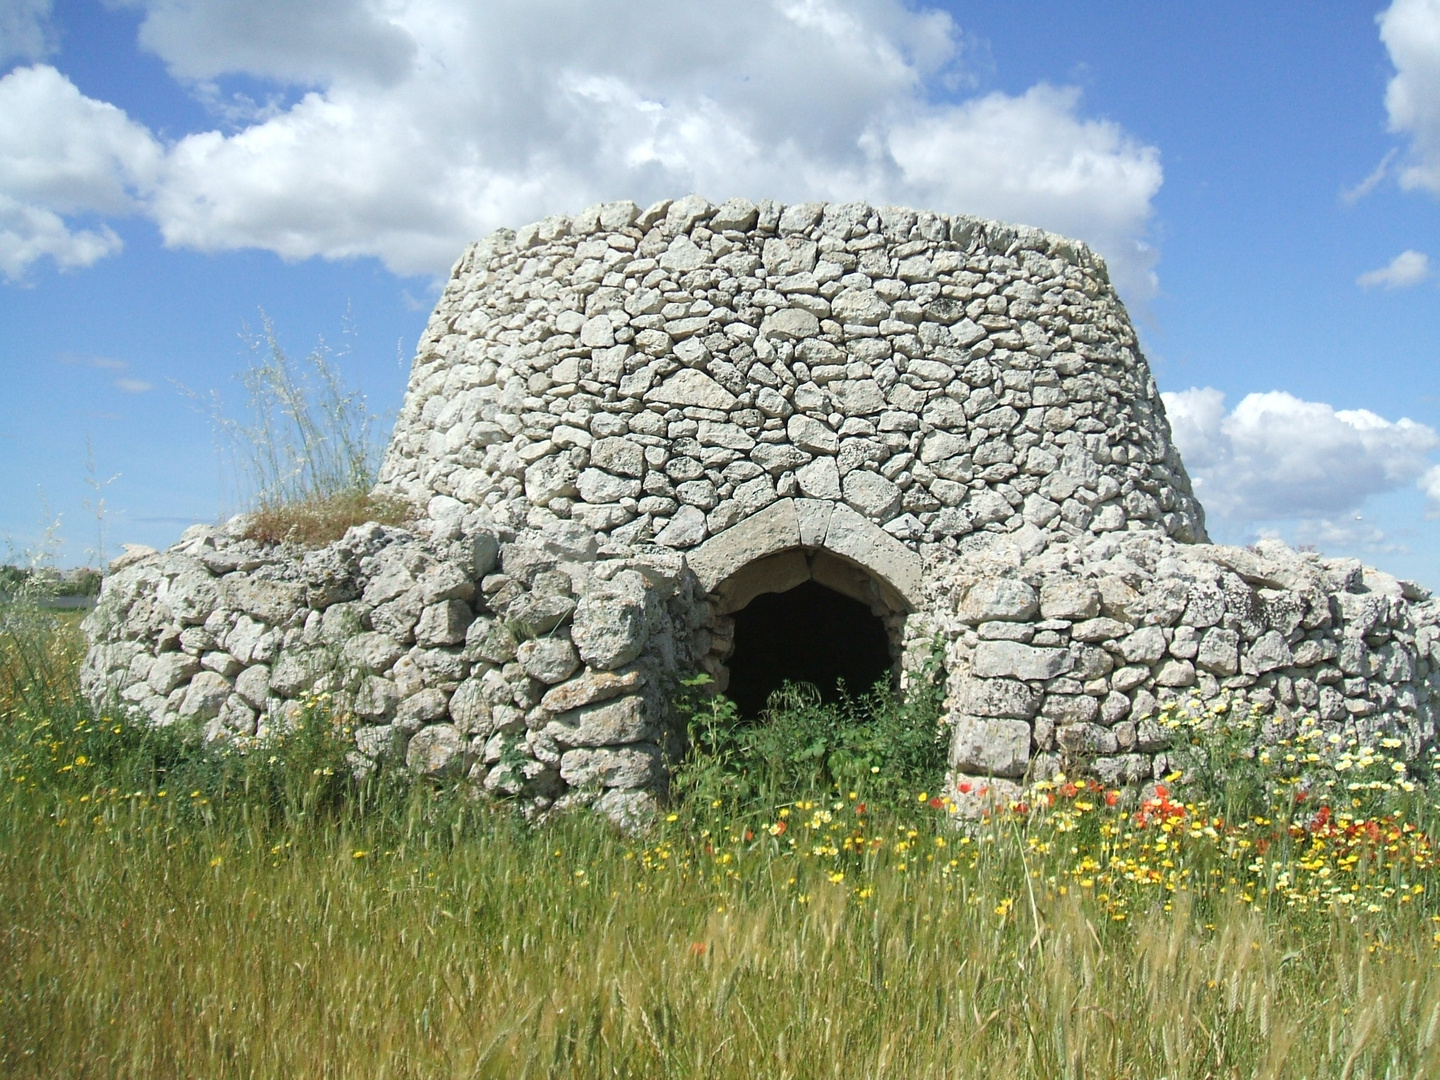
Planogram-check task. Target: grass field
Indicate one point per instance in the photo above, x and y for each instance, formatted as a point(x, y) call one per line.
point(169, 912)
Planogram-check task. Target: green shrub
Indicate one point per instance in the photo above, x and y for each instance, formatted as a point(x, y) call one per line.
point(879, 745)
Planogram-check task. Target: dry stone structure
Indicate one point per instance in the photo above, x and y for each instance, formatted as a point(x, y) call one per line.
point(623, 427)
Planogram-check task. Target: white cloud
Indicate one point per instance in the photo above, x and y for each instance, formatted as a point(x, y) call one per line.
point(133, 386)
point(1406, 269)
point(1410, 30)
point(423, 124)
point(62, 153)
point(25, 30)
point(1276, 457)
point(1430, 485)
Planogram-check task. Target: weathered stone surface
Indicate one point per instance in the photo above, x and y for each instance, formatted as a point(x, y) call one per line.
point(444, 623)
point(999, 599)
point(990, 747)
point(590, 687)
point(613, 767)
point(999, 698)
point(436, 751)
point(1012, 659)
point(204, 697)
point(1069, 598)
point(611, 623)
point(691, 387)
point(607, 723)
point(551, 660)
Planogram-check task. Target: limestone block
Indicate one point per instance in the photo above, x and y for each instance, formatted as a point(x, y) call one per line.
point(423, 707)
point(1175, 673)
point(999, 599)
point(812, 435)
point(790, 324)
point(773, 529)
point(995, 659)
point(683, 255)
point(1069, 598)
point(1267, 653)
point(270, 602)
point(610, 624)
point(1219, 651)
point(204, 697)
point(436, 751)
point(376, 698)
point(550, 478)
point(619, 456)
point(468, 708)
point(1127, 678)
point(861, 306)
point(171, 670)
point(296, 671)
point(370, 651)
point(598, 487)
point(612, 767)
point(1005, 698)
point(689, 387)
point(1100, 629)
point(607, 723)
point(590, 687)
point(857, 539)
point(1070, 708)
point(529, 616)
point(550, 659)
point(871, 494)
point(858, 397)
point(377, 740)
point(686, 529)
point(994, 747)
point(444, 623)
point(253, 684)
point(1086, 739)
point(238, 715)
point(220, 662)
point(1144, 646)
point(820, 479)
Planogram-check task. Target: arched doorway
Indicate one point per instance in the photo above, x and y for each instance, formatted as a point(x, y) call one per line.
point(809, 633)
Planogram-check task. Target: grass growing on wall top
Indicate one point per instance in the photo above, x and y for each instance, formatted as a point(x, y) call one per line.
point(305, 451)
point(166, 913)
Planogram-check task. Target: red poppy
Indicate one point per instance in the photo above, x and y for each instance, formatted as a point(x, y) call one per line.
point(1069, 790)
point(859, 808)
point(964, 788)
point(749, 834)
point(697, 948)
point(936, 804)
point(1111, 798)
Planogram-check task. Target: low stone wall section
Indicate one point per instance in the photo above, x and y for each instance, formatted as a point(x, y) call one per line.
point(538, 668)
point(1064, 655)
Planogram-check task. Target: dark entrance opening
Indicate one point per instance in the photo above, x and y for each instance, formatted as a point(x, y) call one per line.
point(808, 634)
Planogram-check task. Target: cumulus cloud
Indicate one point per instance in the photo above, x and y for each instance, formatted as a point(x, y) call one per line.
point(1410, 30)
point(25, 31)
point(1430, 484)
point(1276, 457)
point(1406, 269)
point(413, 126)
point(64, 154)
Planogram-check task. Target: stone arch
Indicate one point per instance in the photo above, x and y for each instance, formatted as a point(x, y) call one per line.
point(796, 542)
point(810, 524)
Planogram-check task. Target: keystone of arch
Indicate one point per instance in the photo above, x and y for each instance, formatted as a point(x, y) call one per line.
point(809, 523)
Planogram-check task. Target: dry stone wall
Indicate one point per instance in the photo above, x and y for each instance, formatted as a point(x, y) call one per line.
point(623, 426)
point(668, 373)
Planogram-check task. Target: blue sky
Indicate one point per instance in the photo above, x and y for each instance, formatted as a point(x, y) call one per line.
point(1264, 180)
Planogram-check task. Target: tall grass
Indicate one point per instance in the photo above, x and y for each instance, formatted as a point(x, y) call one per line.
point(171, 914)
point(305, 449)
